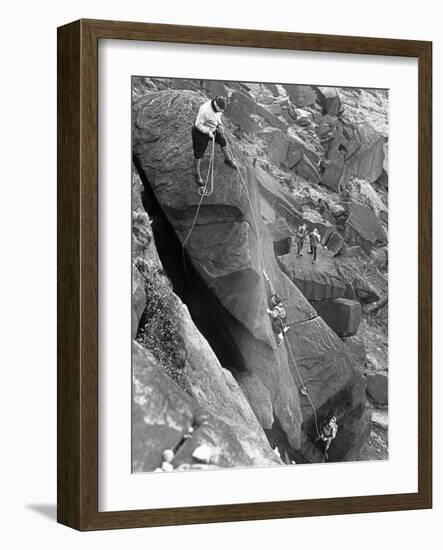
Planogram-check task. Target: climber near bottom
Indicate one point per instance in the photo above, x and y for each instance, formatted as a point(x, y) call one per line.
point(208, 126)
point(328, 433)
point(276, 311)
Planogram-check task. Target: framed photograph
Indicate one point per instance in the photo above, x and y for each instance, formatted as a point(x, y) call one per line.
point(244, 275)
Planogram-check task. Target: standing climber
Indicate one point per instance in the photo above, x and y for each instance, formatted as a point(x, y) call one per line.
point(314, 240)
point(328, 433)
point(208, 126)
point(300, 237)
point(276, 311)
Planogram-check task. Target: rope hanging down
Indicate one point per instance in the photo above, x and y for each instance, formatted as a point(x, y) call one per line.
point(204, 193)
point(250, 206)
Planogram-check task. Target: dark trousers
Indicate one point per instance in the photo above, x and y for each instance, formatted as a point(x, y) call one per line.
point(200, 141)
point(300, 245)
point(313, 251)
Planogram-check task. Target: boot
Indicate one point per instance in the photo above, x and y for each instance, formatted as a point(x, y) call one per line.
point(197, 176)
point(228, 160)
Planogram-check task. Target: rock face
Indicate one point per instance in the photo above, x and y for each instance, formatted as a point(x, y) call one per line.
point(300, 96)
point(229, 248)
point(363, 228)
point(316, 282)
point(367, 162)
point(281, 235)
point(335, 242)
point(249, 116)
point(165, 417)
point(341, 314)
point(377, 387)
point(329, 100)
point(215, 407)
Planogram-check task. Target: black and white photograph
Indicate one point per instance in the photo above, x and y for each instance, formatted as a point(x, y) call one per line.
point(259, 274)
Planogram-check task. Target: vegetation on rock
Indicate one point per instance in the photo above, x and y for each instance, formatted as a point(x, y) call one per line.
point(159, 330)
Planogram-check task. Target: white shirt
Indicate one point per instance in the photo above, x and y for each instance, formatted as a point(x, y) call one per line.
point(207, 119)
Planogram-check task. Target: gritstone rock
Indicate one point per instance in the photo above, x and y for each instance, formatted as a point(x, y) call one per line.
point(281, 235)
point(342, 315)
point(246, 113)
point(320, 281)
point(300, 96)
point(335, 242)
point(363, 228)
point(228, 248)
point(163, 413)
point(377, 387)
point(329, 100)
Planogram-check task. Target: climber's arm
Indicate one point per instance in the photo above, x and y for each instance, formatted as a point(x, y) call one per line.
point(270, 285)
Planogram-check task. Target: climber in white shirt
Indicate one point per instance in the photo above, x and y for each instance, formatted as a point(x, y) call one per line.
point(208, 126)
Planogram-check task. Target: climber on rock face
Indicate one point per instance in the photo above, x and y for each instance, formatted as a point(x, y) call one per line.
point(328, 433)
point(276, 311)
point(208, 126)
point(314, 240)
point(300, 237)
point(278, 317)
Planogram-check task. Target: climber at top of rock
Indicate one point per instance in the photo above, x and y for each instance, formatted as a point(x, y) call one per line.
point(208, 126)
point(276, 311)
point(314, 240)
point(300, 236)
point(328, 433)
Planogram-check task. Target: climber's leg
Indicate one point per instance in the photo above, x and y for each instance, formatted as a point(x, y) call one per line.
point(299, 247)
point(221, 140)
point(314, 251)
point(228, 159)
point(199, 143)
point(197, 175)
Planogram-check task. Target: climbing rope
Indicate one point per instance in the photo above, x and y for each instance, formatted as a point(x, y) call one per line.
point(306, 392)
point(250, 205)
point(304, 389)
point(205, 192)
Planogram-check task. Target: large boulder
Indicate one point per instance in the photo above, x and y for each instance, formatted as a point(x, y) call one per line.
point(276, 144)
point(367, 162)
point(229, 248)
point(281, 235)
point(300, 96)
point(335, 242)
point(377, 387)
point(363, 228)
point(249, 116)
point(368, 284)
point(329, 100)
point(319, 281)
point(341, 314)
